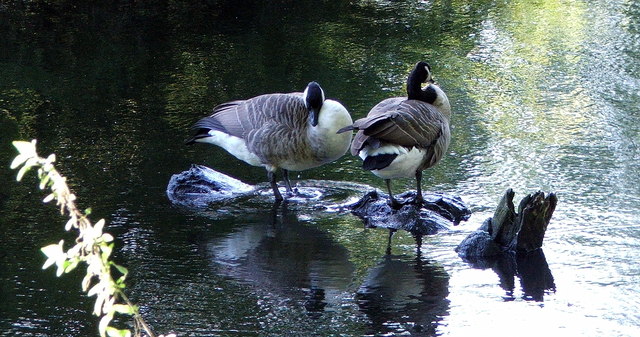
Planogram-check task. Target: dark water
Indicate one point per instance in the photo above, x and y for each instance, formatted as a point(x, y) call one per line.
point(545, 96)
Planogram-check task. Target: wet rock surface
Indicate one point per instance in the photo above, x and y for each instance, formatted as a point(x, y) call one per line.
point(202, 189)
point(438, 212)
point(201, 185)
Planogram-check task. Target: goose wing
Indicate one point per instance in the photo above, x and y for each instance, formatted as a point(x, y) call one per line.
point(409, 123)
point(258, 114)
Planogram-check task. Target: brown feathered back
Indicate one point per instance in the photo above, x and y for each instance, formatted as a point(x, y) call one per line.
point(409, 123)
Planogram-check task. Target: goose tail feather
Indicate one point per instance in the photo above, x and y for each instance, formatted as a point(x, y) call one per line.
point(379, 161)
point(345, 129)
point(202, 133)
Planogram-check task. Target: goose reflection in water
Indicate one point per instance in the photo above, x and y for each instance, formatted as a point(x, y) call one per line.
point(297, 263)
point(403, 295)
point(286, 258)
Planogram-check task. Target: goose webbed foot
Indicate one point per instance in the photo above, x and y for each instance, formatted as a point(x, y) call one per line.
point(291, 192)
point(418, 200)
point(394, 204)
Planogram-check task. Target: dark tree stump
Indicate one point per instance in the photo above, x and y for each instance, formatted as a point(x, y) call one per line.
point(510, 244)
point(534, 214)
point(508, 231)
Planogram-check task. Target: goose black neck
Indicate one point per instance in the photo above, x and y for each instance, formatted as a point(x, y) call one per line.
point(415, 91)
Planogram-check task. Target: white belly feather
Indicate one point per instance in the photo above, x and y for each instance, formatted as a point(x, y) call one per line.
point(234, 145)
point(403, 166)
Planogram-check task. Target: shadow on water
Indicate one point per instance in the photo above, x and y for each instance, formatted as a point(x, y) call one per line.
point(403, 294)
point(281, 256)
point(530, 268)
point(289, 262)
point(292, 263)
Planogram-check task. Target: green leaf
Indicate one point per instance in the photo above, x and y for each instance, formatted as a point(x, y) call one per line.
point(123, 309)
point(113, 332)
point(86, 282)
point(95, 289)
point(106, 237)
point(48, 198)
point(106, 252)
point(124, 271)
point(98, 226)
point(70, 265)
point(72, 221)
point(120, 282)
point(55, 255)
point(51, 158)
point(44, 181)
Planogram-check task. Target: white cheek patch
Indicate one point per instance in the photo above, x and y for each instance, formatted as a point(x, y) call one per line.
point(305, 95)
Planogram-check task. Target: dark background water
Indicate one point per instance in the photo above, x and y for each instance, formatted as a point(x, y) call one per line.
point(545, 96)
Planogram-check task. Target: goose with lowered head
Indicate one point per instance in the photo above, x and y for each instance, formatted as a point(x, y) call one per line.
point(288, 131)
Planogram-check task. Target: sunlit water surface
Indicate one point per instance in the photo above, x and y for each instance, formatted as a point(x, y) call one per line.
point(545, 96)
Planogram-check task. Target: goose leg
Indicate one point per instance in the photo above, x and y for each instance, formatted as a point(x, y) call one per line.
point(419, 199)
point(287, 182)
point(391, 232)
point(394, 203)
point(274, 186)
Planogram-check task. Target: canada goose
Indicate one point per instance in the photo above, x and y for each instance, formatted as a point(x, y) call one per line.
point(401, 136)
point(294, 131)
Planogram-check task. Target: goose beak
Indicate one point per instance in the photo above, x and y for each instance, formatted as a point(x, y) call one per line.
point(313, 116)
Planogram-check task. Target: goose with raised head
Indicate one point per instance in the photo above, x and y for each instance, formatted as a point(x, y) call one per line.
point(402, 136)
point(292, 131)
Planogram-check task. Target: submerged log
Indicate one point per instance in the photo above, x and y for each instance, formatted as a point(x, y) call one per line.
point(201, 185)
point(508, 231)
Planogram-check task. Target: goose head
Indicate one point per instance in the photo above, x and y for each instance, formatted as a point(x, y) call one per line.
point(313, 98)
point(431, 93)
point(420, 74)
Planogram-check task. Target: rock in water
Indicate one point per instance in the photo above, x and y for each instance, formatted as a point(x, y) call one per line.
point(438, 212)
point(201, 185)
